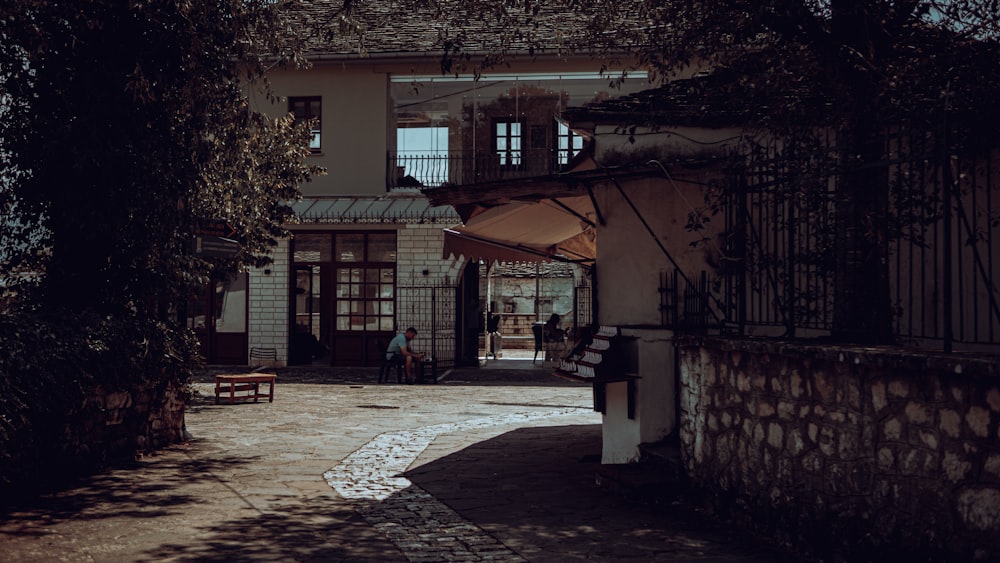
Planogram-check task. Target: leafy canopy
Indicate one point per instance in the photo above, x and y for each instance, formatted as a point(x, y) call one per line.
point(126, 125)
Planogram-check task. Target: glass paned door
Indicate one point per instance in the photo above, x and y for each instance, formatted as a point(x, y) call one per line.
point(308, 342)
point(364, 290)
point(366, 299)
point(508, 143)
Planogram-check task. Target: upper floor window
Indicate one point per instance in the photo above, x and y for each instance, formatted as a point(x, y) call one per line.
point(568, 144)
point(308, 109)
point(466, 129)
point(507, 141)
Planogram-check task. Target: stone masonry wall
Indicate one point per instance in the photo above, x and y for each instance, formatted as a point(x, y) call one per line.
point(516, 296)
point(857, 452)
point(123, 422)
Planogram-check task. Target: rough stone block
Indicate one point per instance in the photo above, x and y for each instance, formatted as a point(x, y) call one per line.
point(899, 388)
point(892, 429)
point(727, 420)
point(978, 419)
point(980, 508)
point(993, 399)
point(847, 445)
point(878, 396)
point(886, 459)
point(765, 409)
point(955, 467)
point(929, 439)
point(775, 435)
point(992, 465)
point(917, 413)
point(796, 443)
point(796, 389)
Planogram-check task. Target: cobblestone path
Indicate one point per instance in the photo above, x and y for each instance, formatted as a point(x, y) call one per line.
point(422, 527)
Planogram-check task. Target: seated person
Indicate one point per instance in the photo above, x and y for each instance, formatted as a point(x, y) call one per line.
point(493, 323)
point(551, 332)
point(399, 351)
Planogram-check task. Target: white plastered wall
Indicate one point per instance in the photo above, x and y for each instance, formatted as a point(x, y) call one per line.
point(630, 265)
point(353, 124)
point(655, 410)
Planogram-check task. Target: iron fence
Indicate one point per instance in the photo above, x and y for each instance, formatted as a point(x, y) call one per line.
point(777, 273)
point(583, 309)
point(433, 170)
point(431, 310)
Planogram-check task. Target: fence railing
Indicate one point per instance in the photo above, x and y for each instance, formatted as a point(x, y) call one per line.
point(431, 310)
point(436, 169)
point(944, 240)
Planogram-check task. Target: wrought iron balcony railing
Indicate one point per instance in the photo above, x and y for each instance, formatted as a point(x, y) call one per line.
point(432, 170)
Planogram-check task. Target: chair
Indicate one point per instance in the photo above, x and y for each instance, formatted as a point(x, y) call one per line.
point(263, 354)
point(553, 349)
point(386, 364)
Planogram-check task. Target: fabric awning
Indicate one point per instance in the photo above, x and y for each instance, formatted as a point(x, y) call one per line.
point(461, 244)
point(547, 216)
point(549, 229)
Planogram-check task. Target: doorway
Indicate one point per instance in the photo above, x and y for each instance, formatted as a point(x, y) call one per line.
point(344, 297)
point(218, 317)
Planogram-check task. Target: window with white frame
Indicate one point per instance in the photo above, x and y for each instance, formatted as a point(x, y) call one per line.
point(507, 140)
point(568, 144)
point(308, 109)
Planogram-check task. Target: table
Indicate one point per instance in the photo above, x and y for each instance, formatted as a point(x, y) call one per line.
point(422, 368)
point(245, 382)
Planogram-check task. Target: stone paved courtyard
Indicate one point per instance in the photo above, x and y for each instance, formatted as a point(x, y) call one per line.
point(487, 465)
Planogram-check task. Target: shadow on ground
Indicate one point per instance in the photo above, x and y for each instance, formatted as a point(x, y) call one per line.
point(535, 490)
point(172, 503)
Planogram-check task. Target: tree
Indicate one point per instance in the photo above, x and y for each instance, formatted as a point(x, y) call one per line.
point(128, 125)
point(124, 127)
point(875, 65)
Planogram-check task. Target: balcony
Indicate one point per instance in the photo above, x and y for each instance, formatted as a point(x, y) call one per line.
point(461, 168)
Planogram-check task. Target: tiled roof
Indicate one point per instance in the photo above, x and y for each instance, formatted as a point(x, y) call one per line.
point(723, 97)
point(704, 100)
point(397, 27)
point(393, 208)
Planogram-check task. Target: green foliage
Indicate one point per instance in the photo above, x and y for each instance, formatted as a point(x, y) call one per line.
point(124, 125)
point(52, 365)
point(132, 126)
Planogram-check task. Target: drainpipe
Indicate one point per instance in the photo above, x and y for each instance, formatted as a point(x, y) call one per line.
point(538, 287)
point(947, 305)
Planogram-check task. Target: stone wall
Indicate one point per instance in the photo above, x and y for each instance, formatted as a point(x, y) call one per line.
point(83, 433)
point(516, 296)
point(113, 424)
point(858, 452)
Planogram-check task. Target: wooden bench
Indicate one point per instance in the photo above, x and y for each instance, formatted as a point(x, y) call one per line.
point(245, 382)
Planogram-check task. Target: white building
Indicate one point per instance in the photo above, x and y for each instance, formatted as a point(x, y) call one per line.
point(368, 256)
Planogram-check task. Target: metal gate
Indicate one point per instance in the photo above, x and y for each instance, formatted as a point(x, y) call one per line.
point(432, 310)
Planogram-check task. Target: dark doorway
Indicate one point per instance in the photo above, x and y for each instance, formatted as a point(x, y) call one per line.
point(218, 316)
point(470, 317)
